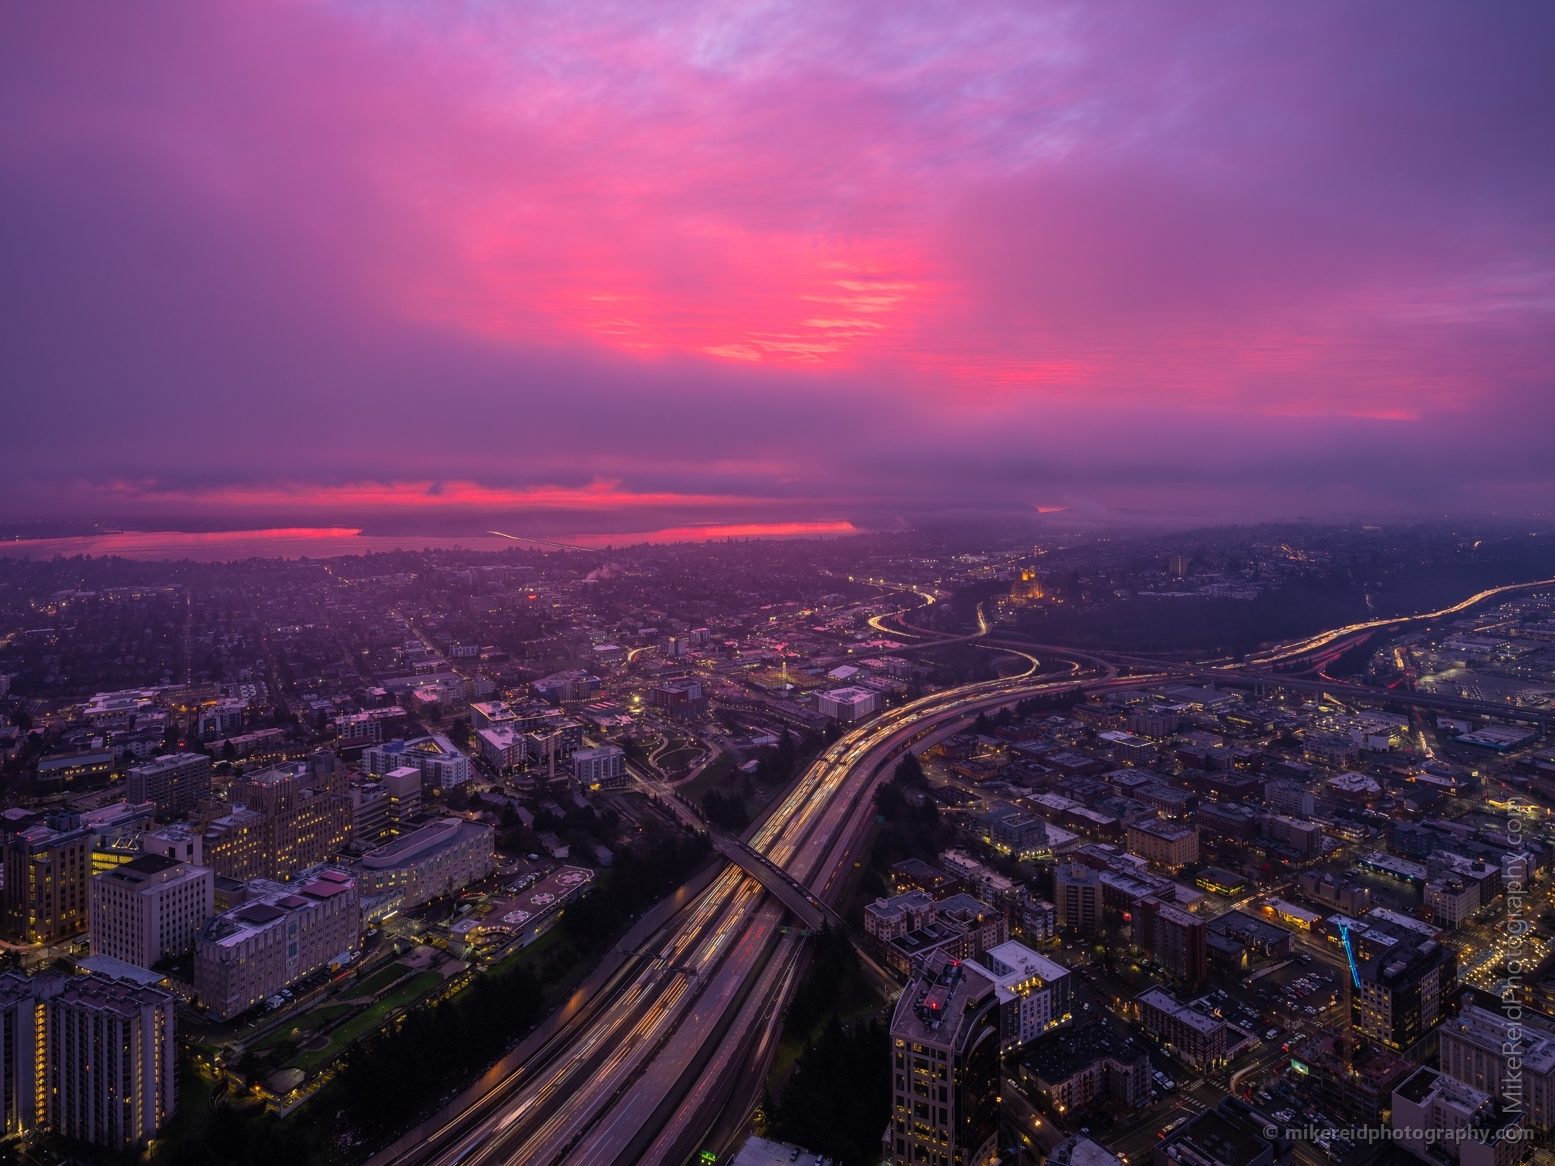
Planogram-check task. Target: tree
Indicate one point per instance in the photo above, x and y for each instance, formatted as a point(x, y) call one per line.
point(908, 772)
point(838, 1097)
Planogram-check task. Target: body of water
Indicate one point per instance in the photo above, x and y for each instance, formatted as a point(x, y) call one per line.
point(330, 542)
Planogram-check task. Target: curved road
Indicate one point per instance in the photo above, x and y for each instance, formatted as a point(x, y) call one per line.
point(642, 1078)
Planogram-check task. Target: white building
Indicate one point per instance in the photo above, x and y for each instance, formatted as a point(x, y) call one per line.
point(1035, 994)
point(1438, 1118)
point(503, 746)
point(442, 766)
point(149, 908)
point(284, 932)
point(417, 867)
point(175, 781)
point(601, 768)
point(847, 704)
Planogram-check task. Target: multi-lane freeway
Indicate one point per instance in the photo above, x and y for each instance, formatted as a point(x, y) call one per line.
point(645, 1072)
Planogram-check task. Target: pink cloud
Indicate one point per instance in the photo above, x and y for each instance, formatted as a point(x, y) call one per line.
point(734, 255)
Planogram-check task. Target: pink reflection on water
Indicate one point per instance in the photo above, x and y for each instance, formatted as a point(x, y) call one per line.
point(330, 542)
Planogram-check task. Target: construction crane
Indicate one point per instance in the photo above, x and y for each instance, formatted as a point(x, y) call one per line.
point(1346, 1036)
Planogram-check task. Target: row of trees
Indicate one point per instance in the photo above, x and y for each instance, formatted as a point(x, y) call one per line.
point(400, 1071)
point(642, 874)
point(725, 810)
point(833, 983)
point(838, 1097)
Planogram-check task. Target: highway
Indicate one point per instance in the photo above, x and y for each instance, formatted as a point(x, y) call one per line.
point(645, 1075)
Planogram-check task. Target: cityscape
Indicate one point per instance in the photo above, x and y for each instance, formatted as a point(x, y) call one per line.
point(699, 850)
point(727, 584)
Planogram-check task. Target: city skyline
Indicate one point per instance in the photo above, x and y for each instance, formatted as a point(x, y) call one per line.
point(619, 270)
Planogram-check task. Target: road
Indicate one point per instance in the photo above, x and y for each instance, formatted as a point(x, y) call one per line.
point(644, 1076)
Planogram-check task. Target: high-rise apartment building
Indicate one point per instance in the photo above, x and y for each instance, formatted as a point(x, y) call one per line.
point(48, 865)
point(1403, 993)
point(1176, 939)
point(1503, 1058)
point(90, 1057)
point(945, 1067)
point(176, 782)
point(111, 1061)
point(151, 908)
point(24, 1045)
point(1077, 899)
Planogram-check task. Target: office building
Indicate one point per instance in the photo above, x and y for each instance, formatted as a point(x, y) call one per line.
point(177, 842)
point(600, 768)
point(1013, 832)
point(1452, 900)
point(1154, 722)
point(1403, 993)
point(422, 865)
point(1189, 1035)
point(48, 865)
point(945, 1067)
point(150, 909)
point(1175, 939)
point(283, 820)
point(1136, 750)
point(1077, 894)
point(440, 764)
point(369, 812)
point(280, 934)
point(403, 787)
point(1165, 843)
point(176, 782)
point(847, 704)
point(1511, 1059)
point(110, 1061)
point(1442, 1120)
point(1303, 839)
point(1289, 798)
point(234, 844)
point(1229, 820)
point(1074, 1072)
point(1036, 995)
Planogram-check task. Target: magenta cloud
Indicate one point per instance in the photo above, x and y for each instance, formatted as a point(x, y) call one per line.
point(819, 262)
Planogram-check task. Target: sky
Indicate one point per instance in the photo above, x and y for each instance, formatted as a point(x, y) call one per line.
point(584, 265)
